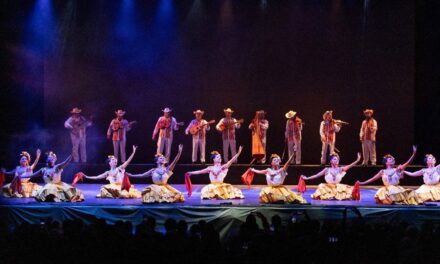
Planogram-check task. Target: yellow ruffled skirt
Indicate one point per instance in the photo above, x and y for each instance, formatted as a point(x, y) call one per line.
point(113, 190)
point(59, 192)
point(428, 192)
point(277, 194)
point(29, 189)
point(221, 191)
point(395, 194)
point(156, 193)
point(330, 191)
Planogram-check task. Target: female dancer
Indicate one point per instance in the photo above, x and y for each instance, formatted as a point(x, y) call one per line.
point(115, 176)
point(217, 173)
point(275, 191)
point(392, 192)
point(333, 189)
point(160, 191)
point(54, 189)
point(430, 191)
point(28, 189)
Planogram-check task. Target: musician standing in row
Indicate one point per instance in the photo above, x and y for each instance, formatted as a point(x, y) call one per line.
point(259, 126)
point(227, 126)
point(293, 136)
point(117, 131)
point(367, 136)
point(328, 130)
point(77, 125)
point(165, 126)
point(198, 127)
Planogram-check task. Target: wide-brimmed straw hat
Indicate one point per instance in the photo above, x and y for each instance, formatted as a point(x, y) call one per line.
point(290, 114)
point(328, 112)
point(120, 112)
point(75, 110)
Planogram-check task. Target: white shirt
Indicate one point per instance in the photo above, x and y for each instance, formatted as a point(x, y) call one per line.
point(431, 176)
point(275, 177)
point(216, 174)
point(161, 176)
point(391, 177)
point(334, 176)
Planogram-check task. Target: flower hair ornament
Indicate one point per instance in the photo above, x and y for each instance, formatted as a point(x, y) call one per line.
point(25, 154)
point(51, 154)
point(214, 153)
point(387, 156)
point(274, 156)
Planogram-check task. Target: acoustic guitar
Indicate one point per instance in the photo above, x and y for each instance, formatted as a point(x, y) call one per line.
point(196, 128)
point(223, 126)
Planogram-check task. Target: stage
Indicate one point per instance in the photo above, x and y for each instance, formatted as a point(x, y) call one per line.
point(226, 216)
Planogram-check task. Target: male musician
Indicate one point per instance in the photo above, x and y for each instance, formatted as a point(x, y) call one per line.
point(77, 125)
point(227, 126)
point(293, 136)
point(328, 130)
point(259, 128)
point(165, 126)
point(117, 130)
point(367, 135)
point(198, 128)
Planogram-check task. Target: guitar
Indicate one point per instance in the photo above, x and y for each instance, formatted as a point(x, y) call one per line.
point(164, 126)
point(223, 126)
point(196, 128)
point(117, 125)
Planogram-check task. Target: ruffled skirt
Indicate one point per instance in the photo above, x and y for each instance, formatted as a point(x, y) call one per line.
point(428, 192)
point(395, 194)
point(59, 192)
point(330, 191)
point(221, 191)
point(28, 189)
point(280, 194)
point(113, 190)
point(156, 193)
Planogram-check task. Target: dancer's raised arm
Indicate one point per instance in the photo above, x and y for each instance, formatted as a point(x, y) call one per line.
point(63, 164)
point(37, 158)
point(176, 159)
point(125, 164)
point(347, 167)
point(403, 166)
point(286, 165)
point(233, 159)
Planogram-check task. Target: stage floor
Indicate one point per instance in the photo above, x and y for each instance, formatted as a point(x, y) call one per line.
point(251, 198)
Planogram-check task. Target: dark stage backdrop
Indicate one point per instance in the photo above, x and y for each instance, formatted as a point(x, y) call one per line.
point(142, 56)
